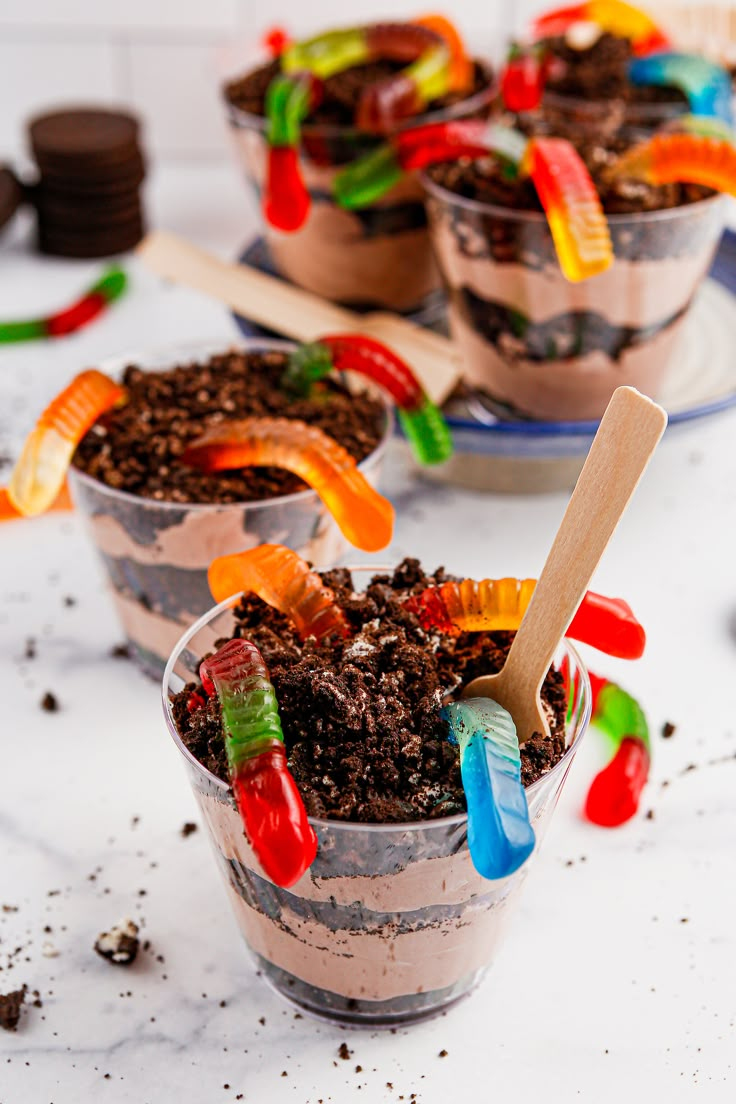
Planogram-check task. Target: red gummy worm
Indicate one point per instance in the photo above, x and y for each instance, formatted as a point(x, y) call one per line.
point(372, 359)
point(76, 316)
point(286, 200)
point(614, 794)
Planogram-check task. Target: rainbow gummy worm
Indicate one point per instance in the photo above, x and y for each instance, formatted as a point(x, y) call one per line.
point(364, 516)
point(706, 85)
point(690, 157)
point(621, 19)
point(266, 795)
point(613, 797)
point(370, 177)
point(607, 624)
point(38, 475)
point(500, 835)
point(422, 422)
point(282, 579)
point(106, 290)
point(439, 63)
point(574, 213)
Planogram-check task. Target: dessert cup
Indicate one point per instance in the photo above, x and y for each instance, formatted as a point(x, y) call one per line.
point(156, 554)
point(391, 923)
point(379, 256)
point(549, 349)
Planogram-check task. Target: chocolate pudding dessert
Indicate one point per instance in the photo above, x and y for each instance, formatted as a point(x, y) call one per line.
point(391, 922)
point(157, 522)
point(379, 256)
point(588, 90)
point(534, 342)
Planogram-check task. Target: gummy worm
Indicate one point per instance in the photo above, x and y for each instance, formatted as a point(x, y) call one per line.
point(572, 205)
point(523, 78)
point(670, 157)
point(614, 795)
point(364, 516)
point(106, 290)
point(706, 85)
point(38, 475)
point(621, 19)
point(266, 795)
point(8, 512)
point(500, 835)
point(422, 422)
point(436, 66)
point(282, 579)
point(370, 177)
point(607, 624)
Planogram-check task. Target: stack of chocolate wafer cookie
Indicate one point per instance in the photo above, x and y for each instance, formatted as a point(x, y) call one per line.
point(90, 172)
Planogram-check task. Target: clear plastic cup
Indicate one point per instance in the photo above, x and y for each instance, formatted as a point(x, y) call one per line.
point(156, 554)
point(391, 923)
point(379, 256)
point(553, 350)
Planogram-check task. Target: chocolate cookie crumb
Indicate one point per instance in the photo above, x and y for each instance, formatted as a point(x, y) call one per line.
point(50, 703)
point(30, 652)
point(10, 1006)
point(344, 1051)
point(120, 651)
point(188, 828)
point(119, 945)
point(443, 1053)
point(668, 730)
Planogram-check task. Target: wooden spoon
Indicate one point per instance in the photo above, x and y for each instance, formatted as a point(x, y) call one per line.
point(627, 436)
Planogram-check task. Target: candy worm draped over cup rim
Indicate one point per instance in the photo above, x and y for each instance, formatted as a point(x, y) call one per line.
point(435, 53)
point(490, 605)
point(615, 792)
point(615, 16)
point(423, 423)
point(363, 515)
point(706, 84)
point(266, 795)
point(563, 183)
point(109, 287)
point(694, 149)
point(37, 480)
point(500, 834)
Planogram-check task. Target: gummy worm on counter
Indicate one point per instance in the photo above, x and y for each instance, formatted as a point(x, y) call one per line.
point(266, 795)
point(371, 176)
point(500, 834)
point(364, 516)
point(706, 85)
point(282, 579)
point(615, 16)
point(607, 624)
point(688, 157)
point(613, 797)
point(438, 63)
point(422, 421)
point(106, 290)
point(38, 475)
point(8, 512)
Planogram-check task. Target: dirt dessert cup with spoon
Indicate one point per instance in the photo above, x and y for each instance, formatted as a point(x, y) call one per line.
point(406, 886)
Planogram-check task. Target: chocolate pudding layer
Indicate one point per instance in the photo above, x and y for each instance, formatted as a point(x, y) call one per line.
point(157, 524)
point(379, 256)
point(542, 346)
point(391, 922)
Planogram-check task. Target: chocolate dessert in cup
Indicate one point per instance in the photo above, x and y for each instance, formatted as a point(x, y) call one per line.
point(547, 346)
point(323, 103)
point(156, 521)
point(391, 922)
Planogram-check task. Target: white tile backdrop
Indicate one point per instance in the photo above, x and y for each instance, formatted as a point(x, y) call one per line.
point(162, 56)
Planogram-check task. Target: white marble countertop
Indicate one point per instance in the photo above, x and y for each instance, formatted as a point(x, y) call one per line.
point(618, 980)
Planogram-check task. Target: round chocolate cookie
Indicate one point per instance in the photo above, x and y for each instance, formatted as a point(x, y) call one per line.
point(94, 242)
point(83, 139)
point(11, 194)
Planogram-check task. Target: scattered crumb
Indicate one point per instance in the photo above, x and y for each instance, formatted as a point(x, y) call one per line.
point(358, 1069)
point(30, 652)
point(443, 1053)
point(649, 815)
point(188, 828)
point(284, 1073)
point(120, 651)
point(69, 601)
point(262, 1021)
point(668, 729)
point(684, 919)
point(344, 1051)
point(10, 1006)
point(50, 703)
point(48, 950)
point(120, 944)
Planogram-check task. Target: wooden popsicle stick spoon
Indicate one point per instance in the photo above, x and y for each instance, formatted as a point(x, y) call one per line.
point(627, 436)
